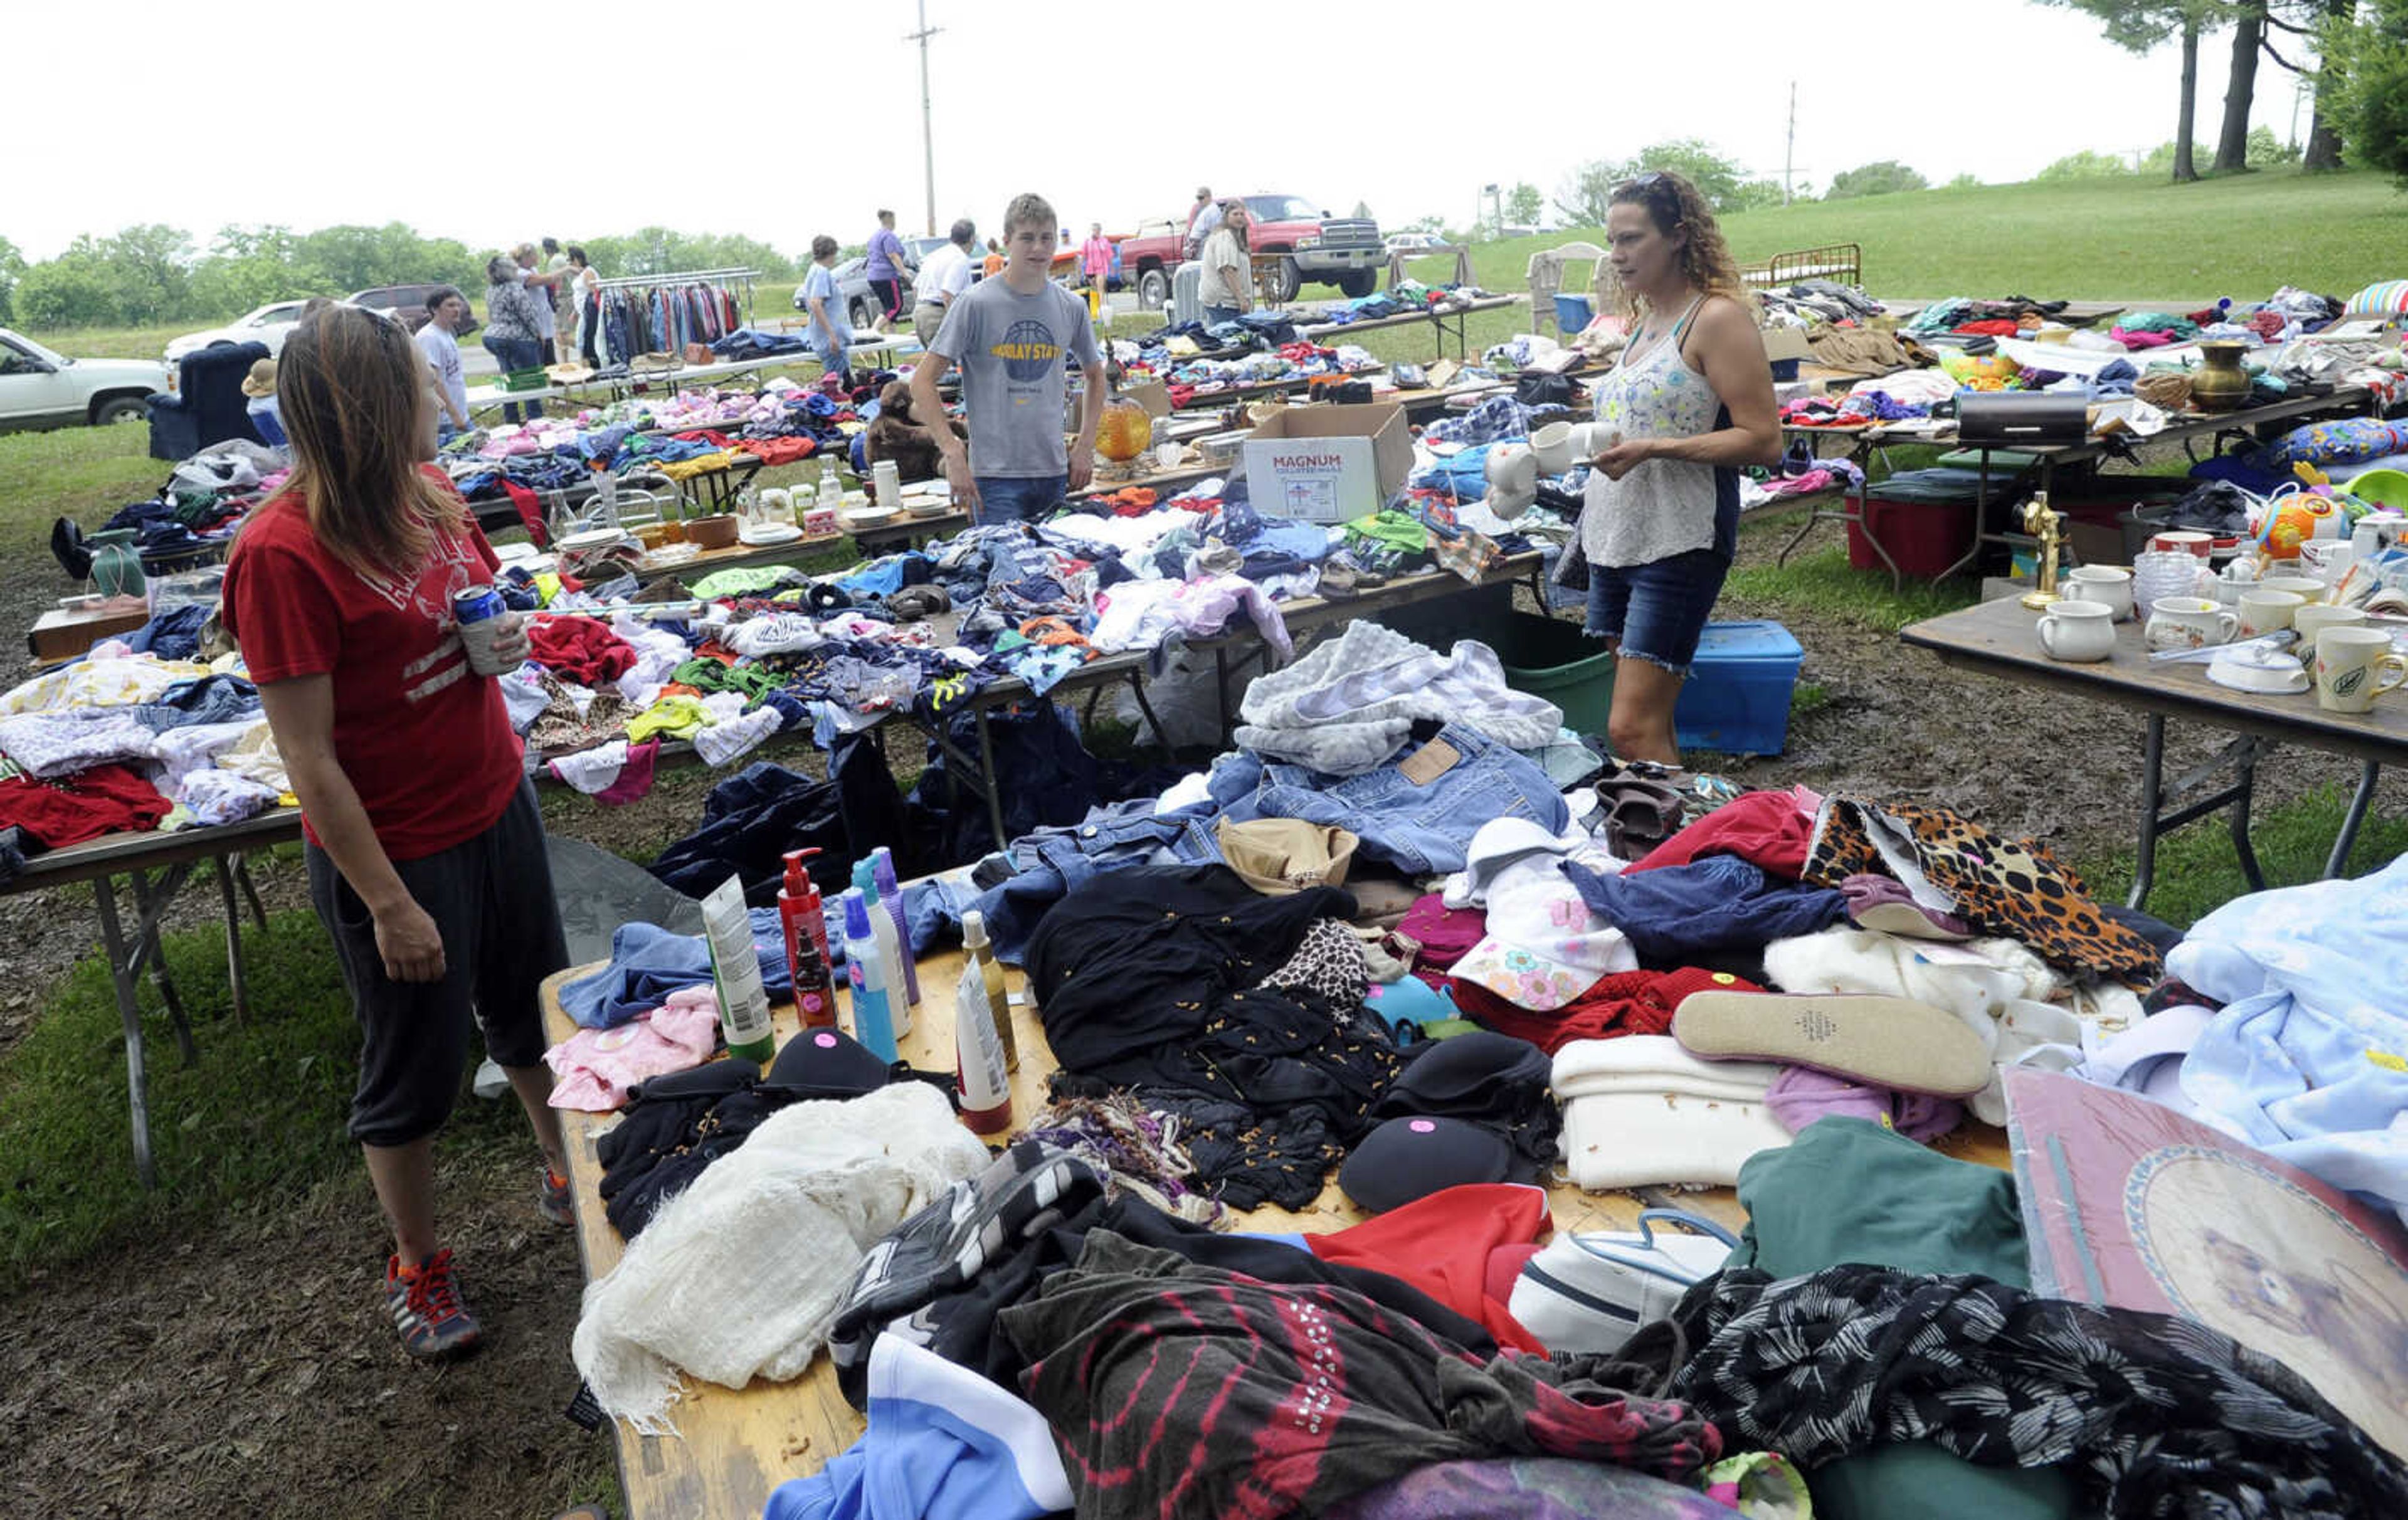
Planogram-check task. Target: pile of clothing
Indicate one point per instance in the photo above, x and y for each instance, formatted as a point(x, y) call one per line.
point(1266, 999)
point(124, 741)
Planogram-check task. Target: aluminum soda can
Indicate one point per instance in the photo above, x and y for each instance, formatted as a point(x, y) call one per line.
point(479, 611)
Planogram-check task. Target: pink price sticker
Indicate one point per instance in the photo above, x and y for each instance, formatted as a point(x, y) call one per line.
point(824, 1041)
point(1422, 1127)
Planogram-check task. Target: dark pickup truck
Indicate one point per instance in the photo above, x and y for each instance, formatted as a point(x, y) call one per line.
point(1314, 246)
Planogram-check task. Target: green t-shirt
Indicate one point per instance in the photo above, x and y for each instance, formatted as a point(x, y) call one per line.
point(1848, 1190)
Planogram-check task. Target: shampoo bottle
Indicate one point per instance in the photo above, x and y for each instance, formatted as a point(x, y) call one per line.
point(888, 948)
point(980, 956)
point(890, 892)
point(872, 1024)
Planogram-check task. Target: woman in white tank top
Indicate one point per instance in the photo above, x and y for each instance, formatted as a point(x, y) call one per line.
point(1692, 401)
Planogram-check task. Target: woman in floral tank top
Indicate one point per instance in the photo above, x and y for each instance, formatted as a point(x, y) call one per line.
point(1690, 404)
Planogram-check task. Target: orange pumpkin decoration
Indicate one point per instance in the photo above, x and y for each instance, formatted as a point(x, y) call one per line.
point(1127, 432)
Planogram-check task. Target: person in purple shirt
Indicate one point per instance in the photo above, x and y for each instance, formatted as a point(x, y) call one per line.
point(889, 261)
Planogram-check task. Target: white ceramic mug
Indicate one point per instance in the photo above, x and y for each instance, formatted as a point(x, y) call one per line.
point(2264, 611)
point(2108, 583)
point(1553, 444)
point(2186, 623)
point(2078, 630)
point(2350, 664)
point(2315, 618)
point(1590, 439)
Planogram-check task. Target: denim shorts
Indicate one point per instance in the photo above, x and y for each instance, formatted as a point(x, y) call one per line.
point(1019, 498)
point(1658, 609)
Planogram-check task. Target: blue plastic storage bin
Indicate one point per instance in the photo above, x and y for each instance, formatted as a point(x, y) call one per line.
point(1573, 313)
point(1737, 697)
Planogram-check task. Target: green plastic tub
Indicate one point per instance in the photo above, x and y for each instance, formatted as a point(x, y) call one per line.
point(1551, 658)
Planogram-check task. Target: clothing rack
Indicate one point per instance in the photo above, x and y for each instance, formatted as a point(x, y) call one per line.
point(647, 313)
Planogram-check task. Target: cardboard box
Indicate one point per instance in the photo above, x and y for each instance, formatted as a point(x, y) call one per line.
point(1329, 463)
point(1153, 396)
point(1786, 343)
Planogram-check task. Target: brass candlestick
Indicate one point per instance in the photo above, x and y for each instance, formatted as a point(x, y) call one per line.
point(2046, 526)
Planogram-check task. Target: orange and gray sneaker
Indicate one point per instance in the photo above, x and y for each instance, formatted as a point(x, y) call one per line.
point(552, 1197)
point(425, 1303)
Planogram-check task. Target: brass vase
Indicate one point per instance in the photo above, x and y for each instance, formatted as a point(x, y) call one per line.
point(2219, 383)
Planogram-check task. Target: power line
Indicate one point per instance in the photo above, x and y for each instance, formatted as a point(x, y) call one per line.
point(927, 133)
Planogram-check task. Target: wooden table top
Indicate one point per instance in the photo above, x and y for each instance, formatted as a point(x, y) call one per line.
point(2000, 638)
point(736, 1445)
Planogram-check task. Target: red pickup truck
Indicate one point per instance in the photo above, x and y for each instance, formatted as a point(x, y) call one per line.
point(1345, 251)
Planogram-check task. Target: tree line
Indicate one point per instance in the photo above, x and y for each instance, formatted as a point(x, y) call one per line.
point(153, 274)
point(2354, 53)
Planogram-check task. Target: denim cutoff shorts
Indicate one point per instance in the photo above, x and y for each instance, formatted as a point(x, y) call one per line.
point(1658, 609)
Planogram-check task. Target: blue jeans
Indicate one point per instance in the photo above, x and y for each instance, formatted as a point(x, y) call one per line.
point(1216, 315)
point(516, 353)
point(1019, 498)
point(1054, 861)
point(1423, 828)
point(1658, 611)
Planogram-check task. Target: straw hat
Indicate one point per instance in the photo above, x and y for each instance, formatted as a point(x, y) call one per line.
point(260, 382)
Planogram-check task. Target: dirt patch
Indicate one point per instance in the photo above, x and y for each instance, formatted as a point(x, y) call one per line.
point(254, 1372)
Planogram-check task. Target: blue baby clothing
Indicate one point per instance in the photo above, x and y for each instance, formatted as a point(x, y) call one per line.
point(943, 1444)
point(1720, 902)
point(2308, 1059)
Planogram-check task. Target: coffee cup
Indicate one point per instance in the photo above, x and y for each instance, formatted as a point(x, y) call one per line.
point(2078, 631)
point(2184, 541)
point(2264, 611)
point(1553, 444)
point(2108, 583)
point(2307, 588)
point(1590, 439)
point(2317, 617)
point(2350, 664)
point(2186, 623)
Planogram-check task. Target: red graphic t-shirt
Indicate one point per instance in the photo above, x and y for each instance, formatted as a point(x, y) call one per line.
point(425, 743)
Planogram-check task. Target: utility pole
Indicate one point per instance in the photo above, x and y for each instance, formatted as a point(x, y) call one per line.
point(927, 133)
point(1789, 147)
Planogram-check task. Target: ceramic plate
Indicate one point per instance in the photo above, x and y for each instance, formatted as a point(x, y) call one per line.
point(590, 538)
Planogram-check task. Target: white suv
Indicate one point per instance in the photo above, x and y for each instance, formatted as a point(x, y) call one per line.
point(270, 324)
point(42, 389)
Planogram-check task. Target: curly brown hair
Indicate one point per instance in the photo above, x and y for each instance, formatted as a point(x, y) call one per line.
point(1673, 204)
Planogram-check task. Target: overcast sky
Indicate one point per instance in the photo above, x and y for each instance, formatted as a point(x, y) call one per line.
point(805, 118)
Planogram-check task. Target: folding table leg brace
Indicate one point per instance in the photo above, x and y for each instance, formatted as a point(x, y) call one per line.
point(2241, 756)
point(151, 895)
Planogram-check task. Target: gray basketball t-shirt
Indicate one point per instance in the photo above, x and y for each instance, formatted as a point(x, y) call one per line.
point(1011, 349)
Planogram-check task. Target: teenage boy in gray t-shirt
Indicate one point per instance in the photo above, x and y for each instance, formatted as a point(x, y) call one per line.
point(1011, 337)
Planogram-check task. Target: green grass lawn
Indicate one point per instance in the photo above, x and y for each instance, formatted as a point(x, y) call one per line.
point(2103, 239)
point(85, 473)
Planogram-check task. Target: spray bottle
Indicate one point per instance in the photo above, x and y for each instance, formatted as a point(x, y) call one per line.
point(798, 880)
point(872, 1024)
point(890, 892)
point(887, 946)
point(800, 915)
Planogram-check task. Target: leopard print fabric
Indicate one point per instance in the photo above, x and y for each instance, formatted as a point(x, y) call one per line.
point(1328, 961)
point(1998, 885)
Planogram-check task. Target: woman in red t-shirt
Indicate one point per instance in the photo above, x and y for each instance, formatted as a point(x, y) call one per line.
point(425, 849)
